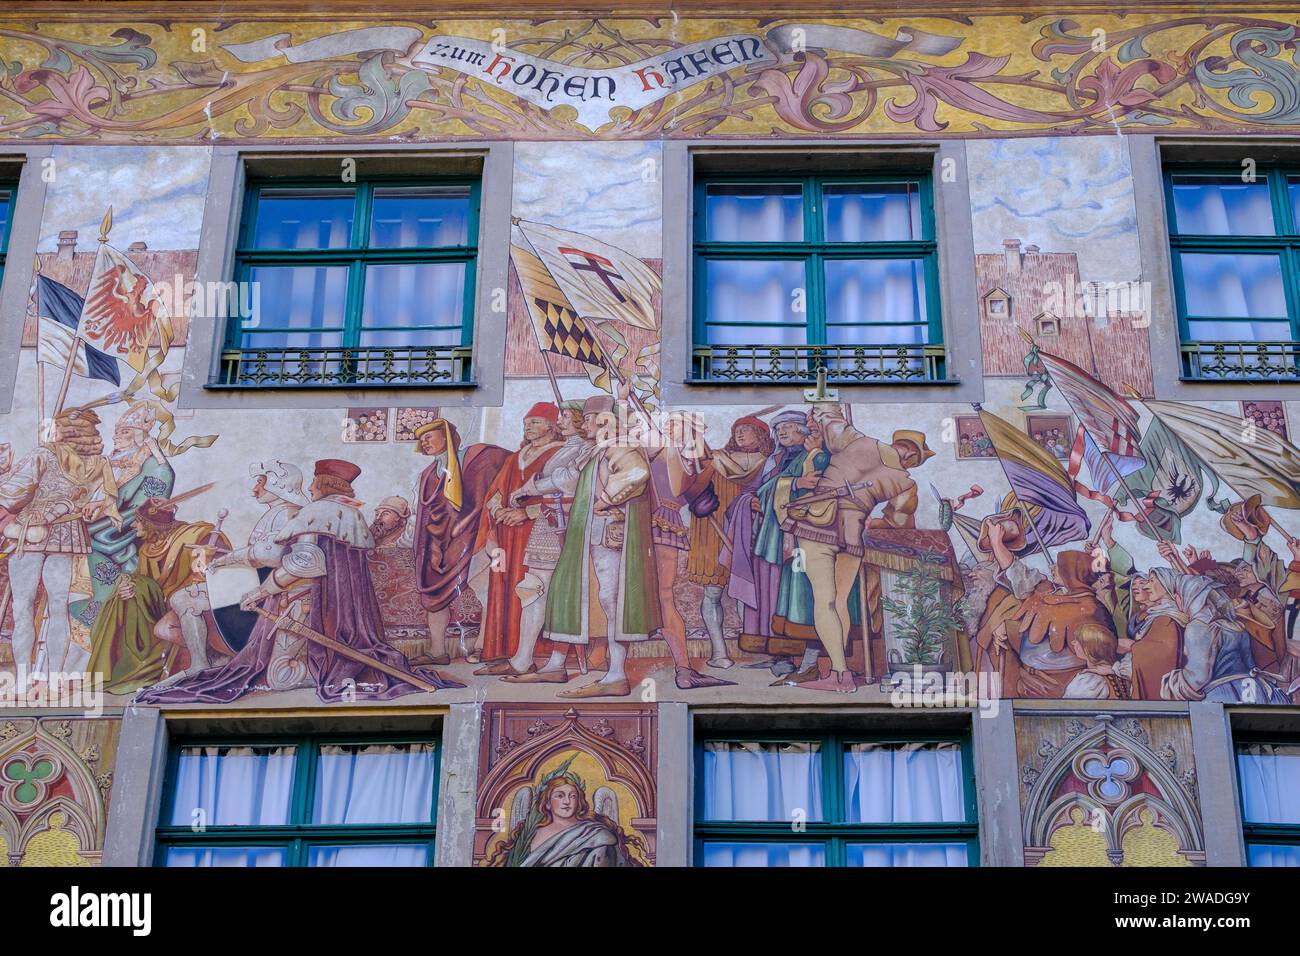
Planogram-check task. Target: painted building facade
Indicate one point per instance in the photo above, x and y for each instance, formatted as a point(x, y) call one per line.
point(650, 437)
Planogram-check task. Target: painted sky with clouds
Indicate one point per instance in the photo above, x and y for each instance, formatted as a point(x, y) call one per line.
point(1064, 194)
point(157, 195)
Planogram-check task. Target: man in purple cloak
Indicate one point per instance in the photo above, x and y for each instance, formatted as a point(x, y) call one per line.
point(322, 580)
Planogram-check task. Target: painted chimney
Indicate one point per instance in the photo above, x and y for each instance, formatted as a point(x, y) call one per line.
point(67, 244)
point(1011, 250)
point(1031, 250)
point(137, 246)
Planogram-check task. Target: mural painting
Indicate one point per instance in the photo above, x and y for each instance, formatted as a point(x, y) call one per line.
point(199, 80)
point(582, 541)
point(55, 780)
point(1108, 790)
point(564, 787)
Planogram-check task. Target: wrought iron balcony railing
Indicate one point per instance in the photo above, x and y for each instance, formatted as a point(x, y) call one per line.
point(1238, 361)
point(844, 364)
point(342, 367)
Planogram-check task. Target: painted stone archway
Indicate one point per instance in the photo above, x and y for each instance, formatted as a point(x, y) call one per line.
point(1108, 790)
point(54, 789)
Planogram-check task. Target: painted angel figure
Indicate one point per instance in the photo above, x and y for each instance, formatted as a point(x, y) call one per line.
point(560, 827)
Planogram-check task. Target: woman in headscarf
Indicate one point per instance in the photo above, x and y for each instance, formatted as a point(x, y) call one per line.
point(1157, 646)
point(1217, 662)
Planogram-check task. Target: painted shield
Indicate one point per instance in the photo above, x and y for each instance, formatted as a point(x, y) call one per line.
point(228, 585)
point(226, 588)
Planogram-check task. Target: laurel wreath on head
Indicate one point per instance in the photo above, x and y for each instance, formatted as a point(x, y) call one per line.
point(534, 818)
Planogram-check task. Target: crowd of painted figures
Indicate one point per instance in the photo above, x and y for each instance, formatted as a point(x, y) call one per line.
point(580, 532)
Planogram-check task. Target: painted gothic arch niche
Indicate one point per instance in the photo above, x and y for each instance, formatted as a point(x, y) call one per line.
point(609, 750)
point(1100, 791)
point(53, 795)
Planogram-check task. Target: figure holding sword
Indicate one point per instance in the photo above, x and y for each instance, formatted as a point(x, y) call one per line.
point(323, 576)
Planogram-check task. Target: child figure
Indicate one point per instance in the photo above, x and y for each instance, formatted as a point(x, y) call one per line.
point(1102, 677)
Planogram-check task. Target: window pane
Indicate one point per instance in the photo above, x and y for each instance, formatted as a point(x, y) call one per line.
point(415, 294)
point(225, 856)
point(384, 854)
point(872, 212)
point(1293, 194)
point(304, 219)
point(6, 203)
point(754, 780)
point(754, 290)
point(741, 212)
point(1236, 330)
point(232, 786)
point(756, 334)
point(298, 297)
point(1222, 206)
point(875, 290)
point(1270, 783)
point(1217, 284)
point(903, 783)
point(253, 341)
point(905, 854)
point(1268, 854)
point(374, 783)
point(849, 335)
point(408, 216)
point(764, 854)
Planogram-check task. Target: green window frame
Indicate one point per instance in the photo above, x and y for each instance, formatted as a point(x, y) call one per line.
point(1241, 358)
point(1258, 834)
point(299, 835)
point(856, 362)
point(245, 364)
point(8, 195)
point(833, 831)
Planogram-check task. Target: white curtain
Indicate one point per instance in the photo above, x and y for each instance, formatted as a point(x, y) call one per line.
point(1261, 854)
point(379, 783)
point(403, 854)
point(764, 854)
point(1218, 207)
point(904, 783)
point(233, 786)
point(183, 856)
point(1270, 783)
point(906, 854)
point(751, 780)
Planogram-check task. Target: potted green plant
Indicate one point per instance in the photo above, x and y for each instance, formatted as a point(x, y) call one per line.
point(923, 619)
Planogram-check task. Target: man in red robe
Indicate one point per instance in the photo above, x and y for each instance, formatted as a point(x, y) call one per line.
point(450, 497)
point(511, 527)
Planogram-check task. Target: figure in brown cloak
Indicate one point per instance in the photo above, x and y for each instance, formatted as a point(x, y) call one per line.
point(449, 503)
point(1038, 661)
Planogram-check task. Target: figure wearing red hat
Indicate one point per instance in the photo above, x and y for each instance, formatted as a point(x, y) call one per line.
point(322, 580)
point(511, 526)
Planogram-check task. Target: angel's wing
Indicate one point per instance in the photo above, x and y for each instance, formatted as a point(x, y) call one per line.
point(605, 802)
point(519, 806)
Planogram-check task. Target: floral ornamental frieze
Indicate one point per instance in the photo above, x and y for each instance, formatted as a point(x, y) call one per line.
point(208, 81)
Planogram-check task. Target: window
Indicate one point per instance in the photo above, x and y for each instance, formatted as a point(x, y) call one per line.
point(995, 304)
point(1235, 247)
point(1268, 775)
point(801, 273)
point(367, 283)
point(312, 801)
point(834, 801)
point(7, 193)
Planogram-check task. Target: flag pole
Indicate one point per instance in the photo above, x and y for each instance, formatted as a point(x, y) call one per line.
point(1143, 516)
point(550, 373)
point(40, 366)
point(105, 225)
